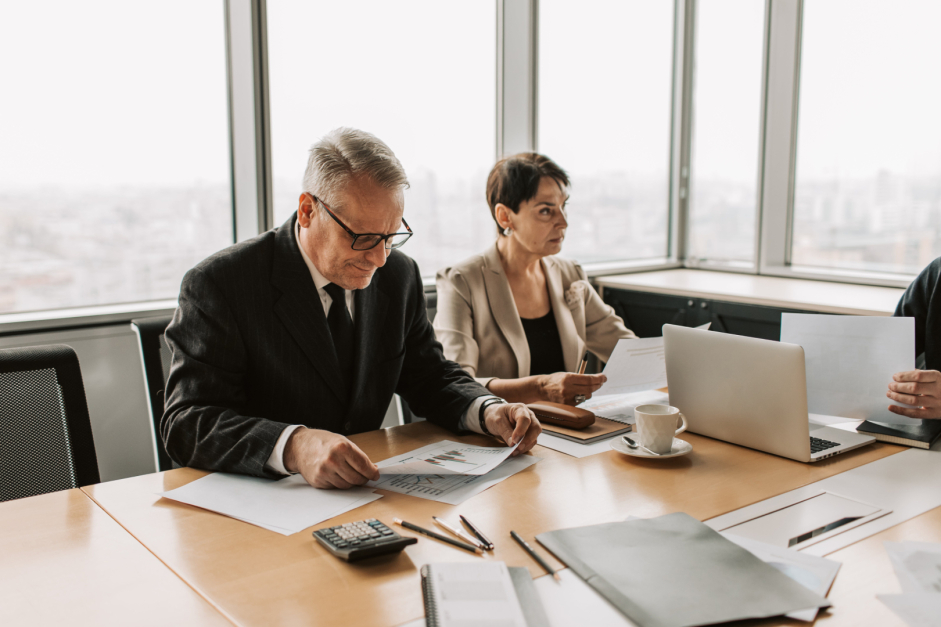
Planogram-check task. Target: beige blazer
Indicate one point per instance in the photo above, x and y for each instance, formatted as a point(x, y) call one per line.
point(479, 326)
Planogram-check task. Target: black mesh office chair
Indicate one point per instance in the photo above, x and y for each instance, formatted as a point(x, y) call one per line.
point(155, 357)
point(46, 442)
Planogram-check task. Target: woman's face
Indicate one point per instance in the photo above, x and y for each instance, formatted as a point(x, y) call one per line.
point(540, 224)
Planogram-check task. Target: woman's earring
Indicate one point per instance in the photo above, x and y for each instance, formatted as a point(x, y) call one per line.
point(507, 231)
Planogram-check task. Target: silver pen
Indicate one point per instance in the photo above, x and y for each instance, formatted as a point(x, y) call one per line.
point(457, 532)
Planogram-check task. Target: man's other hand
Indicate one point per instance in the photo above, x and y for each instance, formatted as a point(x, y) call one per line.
point(327, 460)
point(514, 422)
point(921, 388)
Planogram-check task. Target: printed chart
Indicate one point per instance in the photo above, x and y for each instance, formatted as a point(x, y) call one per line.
point(453, 489)
point(446, 458)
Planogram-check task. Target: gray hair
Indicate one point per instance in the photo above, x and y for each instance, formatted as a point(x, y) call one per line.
point(345, 154)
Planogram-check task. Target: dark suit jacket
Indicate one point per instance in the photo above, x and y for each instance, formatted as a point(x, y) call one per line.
point(922, 301)
point(252, 354)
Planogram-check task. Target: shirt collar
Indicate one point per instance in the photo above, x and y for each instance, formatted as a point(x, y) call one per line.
point(319, 280)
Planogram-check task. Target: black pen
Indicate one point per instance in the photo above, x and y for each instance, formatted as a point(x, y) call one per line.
point(438, 536)
point(477, 532)
point(535, 555)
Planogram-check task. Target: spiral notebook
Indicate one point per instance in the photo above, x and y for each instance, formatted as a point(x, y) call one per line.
point(483, 594)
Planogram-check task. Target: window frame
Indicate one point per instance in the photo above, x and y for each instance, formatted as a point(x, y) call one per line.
point(516, 23)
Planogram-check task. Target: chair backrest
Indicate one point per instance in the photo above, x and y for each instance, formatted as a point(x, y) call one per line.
point(155, 357)
point(46, 441)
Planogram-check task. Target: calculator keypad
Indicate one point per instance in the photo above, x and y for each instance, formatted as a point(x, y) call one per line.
point(361, 539)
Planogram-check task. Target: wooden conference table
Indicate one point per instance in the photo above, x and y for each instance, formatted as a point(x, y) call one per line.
point(257, 577)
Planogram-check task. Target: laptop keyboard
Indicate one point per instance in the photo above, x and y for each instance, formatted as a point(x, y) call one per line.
point(818, 444)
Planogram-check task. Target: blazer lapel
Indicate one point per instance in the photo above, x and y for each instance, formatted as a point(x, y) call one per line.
point(572, 345)
point(300, 309)
point(370, 305)
point(503, 309)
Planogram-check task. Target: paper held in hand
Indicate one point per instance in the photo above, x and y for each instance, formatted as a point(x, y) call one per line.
point(636, 365)
point(447, 458)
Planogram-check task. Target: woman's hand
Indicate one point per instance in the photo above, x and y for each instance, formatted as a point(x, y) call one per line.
point(921, 388)
point(563, 387)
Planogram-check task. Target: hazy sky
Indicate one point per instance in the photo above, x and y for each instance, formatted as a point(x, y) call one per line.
point(105, 92)
point(420, 75)
point(870, 94)
point(605, 83)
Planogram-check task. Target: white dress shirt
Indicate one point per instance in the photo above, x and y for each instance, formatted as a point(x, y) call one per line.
point(469, 422)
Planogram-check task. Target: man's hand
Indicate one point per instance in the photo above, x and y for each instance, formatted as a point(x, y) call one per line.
point(921, 388)
point(514, 422)
point(327, 460)
point(563, 387)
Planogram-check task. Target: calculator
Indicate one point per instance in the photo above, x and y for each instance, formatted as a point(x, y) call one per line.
point(357, 540)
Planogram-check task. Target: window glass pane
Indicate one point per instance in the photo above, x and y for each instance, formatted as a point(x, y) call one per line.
point(868, 182)
point(114, 158)
point(419, 75)
point(605, 87)
point(726, 121)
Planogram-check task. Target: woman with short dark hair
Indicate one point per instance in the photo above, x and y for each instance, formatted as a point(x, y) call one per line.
point(517, 316)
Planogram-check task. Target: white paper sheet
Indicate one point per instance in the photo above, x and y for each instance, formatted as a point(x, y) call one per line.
point(620, 407)
point(814, 573)
point(635, 366)
point(917, 565)
point(917, 609)
point(285, 506)
point(452, 489)
point(850, 361)
point(575, 449)
point(446, 458)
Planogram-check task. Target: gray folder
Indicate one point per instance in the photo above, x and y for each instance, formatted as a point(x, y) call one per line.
point(674, 571)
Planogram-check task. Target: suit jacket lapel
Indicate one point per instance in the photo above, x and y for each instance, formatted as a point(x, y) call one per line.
point(370, 305)
point(572, 349)
point(300, 309)
point(503, 309)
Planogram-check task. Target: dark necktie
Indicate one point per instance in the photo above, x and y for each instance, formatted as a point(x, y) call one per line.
point(341, 328)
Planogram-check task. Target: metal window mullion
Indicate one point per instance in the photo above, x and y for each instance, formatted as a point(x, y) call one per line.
point(779, 151)
point(247, 59)
point(516, 76)
point(681, 128)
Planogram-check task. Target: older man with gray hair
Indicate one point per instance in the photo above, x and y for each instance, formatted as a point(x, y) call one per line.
point(285, 344)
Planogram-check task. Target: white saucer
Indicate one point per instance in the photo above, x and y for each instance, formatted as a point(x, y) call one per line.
point(680, 447)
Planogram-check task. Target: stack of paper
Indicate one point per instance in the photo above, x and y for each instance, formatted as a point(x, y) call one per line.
point(918, 568)
point(449, 472)
point(285, 506)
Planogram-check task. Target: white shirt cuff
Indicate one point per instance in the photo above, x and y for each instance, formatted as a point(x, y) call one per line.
point(276, 459)
point(471, 419)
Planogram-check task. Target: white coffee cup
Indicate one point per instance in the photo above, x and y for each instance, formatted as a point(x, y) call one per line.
point(656, 425)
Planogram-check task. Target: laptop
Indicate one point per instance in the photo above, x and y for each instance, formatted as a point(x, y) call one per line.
point(748, 392)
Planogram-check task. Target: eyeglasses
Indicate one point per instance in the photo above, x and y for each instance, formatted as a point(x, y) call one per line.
point(367, 241)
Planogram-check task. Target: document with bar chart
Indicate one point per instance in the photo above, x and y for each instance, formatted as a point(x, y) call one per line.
point(446, 458)
point(452, 489)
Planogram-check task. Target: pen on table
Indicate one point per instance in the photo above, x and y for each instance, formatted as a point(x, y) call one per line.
point(477, 532)
point(458, 533)
point(535, 555)
point(438, 536)
point(584, 364)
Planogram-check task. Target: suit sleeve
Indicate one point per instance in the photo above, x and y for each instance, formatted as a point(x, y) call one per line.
point(434, 387)
point(603, 327)
point(916, 303)
point(203, 425)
